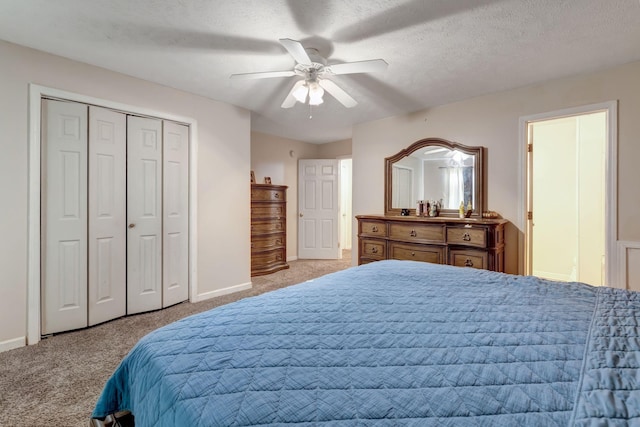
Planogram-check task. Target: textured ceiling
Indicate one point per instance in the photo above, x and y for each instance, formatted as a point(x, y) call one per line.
point(438, 51)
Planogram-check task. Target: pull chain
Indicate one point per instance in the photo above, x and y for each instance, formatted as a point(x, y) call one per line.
point(310, 114)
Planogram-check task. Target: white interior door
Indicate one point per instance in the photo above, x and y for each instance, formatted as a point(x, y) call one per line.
point(566, 197)
point(318, 209)
point(107, 214)
point(144, 214)
point(175, 254)
point(64, 216)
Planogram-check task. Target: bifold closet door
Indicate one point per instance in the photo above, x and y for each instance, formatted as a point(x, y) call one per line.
point(144, 214)
point(175, 254)
point(107, 214)
point(64, 216)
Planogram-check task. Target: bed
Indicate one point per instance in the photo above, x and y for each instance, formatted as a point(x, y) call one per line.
point(393, 343)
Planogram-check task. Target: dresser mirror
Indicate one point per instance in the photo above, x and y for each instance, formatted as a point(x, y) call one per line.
point(435, 169)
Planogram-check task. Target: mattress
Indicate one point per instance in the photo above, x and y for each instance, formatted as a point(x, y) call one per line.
point(393, 343)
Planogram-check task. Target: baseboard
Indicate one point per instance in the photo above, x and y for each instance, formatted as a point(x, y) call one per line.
point(628, 265)
point(220, 292)
point(12, 344)
point(292, 258)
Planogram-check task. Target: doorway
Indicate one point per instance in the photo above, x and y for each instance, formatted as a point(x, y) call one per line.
point(346, 215)
point(570, 186)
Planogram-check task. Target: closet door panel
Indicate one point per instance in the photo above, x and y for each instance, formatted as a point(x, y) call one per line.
point(175, 213)
point(64, 216)
point(107, 214)
point(144, 214)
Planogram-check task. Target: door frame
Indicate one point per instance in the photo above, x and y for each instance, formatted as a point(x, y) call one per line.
point(36, 93)
point(611, 182)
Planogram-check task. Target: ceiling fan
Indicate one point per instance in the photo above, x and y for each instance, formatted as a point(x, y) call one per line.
point(314, 70)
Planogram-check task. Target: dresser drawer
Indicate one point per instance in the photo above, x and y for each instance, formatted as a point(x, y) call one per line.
point(416, 232)
point(467, 236)
point(268, 210)
point(373, 228)
point(268, 258)
point(268, 242)
point(424, 253)
point(276, 194)
point(469, 258)
point(272, 226)
point(371, 248)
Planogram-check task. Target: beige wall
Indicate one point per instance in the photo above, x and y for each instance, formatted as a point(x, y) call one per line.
point(492, 121)
point(277, 158)
point(334, 150)
point(223, 167)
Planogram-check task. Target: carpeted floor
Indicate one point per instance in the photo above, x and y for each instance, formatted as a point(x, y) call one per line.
point(57, 381)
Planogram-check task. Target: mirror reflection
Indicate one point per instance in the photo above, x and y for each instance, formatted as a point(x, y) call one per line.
point(433, 173)
point(434, 169)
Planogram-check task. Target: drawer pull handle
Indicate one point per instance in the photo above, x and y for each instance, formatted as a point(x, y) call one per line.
point(374, 250)
point(413, 254)
point(466, 237)
point(413, 233)
point(374, 229)
point(468, 263)
point(276, 195)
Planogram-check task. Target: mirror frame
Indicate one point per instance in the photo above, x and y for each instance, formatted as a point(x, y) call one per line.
point(478, 176)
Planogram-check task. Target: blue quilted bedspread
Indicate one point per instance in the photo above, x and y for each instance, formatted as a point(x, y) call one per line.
point(393, 343)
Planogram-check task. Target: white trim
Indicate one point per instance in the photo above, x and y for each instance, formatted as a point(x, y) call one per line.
point(611, 181)
point(292, 258)
point(36, 93)
point(220, 292)
point(12, 344)
point(623, 272)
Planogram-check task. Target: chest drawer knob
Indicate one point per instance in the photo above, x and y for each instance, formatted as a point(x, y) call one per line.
point(468, 263)
point(374, 229)
point(374, 250)
point(276, 195)
point(413, 254)
point(413, 233)
point(466, 237)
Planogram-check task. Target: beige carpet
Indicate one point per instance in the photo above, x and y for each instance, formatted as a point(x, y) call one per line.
point(57, 381)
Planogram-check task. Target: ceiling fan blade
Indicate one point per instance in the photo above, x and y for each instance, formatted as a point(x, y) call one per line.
point(370, 66)
point(262, 75)
point(338, 93)
point(296, 50)
point(290, 100)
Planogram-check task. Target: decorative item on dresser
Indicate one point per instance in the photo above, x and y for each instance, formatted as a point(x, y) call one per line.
point(268, 228)
point(465, 242)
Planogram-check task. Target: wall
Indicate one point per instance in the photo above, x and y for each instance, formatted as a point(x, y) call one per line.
point(223, 167)
point(277, 158)
point(492, 121)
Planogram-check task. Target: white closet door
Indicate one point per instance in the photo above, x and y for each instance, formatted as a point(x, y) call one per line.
point(175, 271)
point(64, 216)
point(107, 214)
point(144, 214)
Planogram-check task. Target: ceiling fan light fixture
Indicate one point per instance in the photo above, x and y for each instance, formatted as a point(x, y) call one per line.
point(300, 94)
point(315, 94)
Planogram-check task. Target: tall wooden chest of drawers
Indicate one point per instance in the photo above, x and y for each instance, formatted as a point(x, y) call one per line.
point(268, 228)
point(464, 242)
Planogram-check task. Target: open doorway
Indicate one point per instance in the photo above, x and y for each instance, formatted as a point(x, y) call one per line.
point(570, 187)
point(346, 216)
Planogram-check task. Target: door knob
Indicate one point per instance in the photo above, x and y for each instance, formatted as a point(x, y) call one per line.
point(131, 225)
point(301, 215)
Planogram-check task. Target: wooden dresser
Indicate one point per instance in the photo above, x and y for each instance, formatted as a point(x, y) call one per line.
point(268, 228)
point(466, 242)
